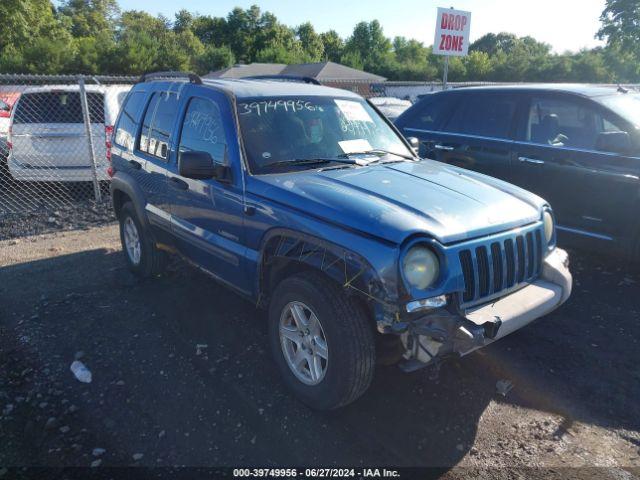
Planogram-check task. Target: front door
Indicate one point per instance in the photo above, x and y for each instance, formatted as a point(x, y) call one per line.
point(562, 158)
point(207, 215)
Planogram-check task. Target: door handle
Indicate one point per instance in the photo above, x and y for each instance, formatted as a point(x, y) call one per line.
point(179, 183)
point(534, 161)
point(446, 148)
point(134, 164)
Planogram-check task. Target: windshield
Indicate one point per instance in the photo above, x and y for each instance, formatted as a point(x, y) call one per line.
point(626, 105)
point(279, 130)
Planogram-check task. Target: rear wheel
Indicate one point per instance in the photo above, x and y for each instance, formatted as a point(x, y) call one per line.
point(142, 256)
point(321, 341)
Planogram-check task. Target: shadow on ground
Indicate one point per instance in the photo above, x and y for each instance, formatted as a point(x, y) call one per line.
point(183, 375)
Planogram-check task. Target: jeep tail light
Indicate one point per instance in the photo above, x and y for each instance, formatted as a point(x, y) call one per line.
point(108, 132)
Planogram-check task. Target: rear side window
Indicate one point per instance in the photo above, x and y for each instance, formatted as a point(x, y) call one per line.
point(158, 121)
point(486, 115)
point(126, 128)
point(202, 130)
point(428, 114)
point(58, 107)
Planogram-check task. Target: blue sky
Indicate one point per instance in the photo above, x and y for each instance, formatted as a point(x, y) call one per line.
point(565, 24)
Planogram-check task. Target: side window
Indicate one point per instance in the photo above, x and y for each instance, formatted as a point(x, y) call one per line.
point(203, 130)
point(486, 115)
point(126, 128)
point(162, 124)
point(567, 123)
point(430, 113)
point(156, 127)
point(143, 144)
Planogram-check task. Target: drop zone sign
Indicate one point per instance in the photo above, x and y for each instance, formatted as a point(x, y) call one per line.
point(452, 32)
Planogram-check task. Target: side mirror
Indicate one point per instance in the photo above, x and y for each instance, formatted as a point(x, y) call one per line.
point(200, 166)
point(415, 144)
point(613, 142)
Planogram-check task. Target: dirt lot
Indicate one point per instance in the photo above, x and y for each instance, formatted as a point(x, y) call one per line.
point(182, 376)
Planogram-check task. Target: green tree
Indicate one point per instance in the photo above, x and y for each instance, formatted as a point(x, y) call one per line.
point(90, 18)
point(477, 65)
point(310, 42)
point(184, 21)
point(369, 43)
point(621, 24)
point(211, 30)
point(25, 22)
point(214, 58)
point(333, 45)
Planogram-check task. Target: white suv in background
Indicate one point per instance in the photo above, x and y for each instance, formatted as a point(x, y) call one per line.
point(47, 138)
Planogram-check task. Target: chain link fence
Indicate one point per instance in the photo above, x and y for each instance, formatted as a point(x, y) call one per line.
point(54, 132)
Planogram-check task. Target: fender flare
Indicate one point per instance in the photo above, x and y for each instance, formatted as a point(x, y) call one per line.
point(123, 182)
point(349, 269)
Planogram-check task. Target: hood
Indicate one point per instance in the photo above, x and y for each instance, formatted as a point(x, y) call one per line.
point(397, 200)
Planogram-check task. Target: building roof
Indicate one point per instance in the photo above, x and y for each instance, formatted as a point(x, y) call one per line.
point(273, 88)
point(250, 70)
point(321, 71)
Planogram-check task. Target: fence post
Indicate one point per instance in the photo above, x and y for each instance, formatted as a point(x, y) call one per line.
point(87, 125)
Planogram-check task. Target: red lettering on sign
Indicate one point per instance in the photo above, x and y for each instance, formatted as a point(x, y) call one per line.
point(442, 37)
point(455, 42)
point(450, 21)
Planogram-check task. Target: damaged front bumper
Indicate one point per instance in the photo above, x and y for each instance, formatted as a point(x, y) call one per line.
point(443, 333)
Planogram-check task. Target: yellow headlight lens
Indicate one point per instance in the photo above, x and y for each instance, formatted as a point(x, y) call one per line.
point(548, 226)
point(421, 267)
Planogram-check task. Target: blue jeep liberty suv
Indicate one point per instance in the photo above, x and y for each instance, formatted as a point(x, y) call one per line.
point(307, 201)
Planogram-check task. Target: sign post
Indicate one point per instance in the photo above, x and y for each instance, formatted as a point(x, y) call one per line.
point(452, 36)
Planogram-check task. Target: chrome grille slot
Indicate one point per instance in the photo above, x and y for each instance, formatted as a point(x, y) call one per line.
point(492, 269)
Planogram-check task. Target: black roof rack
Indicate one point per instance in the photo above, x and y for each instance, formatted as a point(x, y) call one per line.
point(284, 78)
point(192, 77)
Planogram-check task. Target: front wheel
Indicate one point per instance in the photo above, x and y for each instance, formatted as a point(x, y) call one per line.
point(321, 341)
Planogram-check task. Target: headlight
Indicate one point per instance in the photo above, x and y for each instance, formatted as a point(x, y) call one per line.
point(548, 226)
point(421, 267)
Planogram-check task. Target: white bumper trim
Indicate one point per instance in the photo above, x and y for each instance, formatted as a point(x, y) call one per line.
point(531, 302)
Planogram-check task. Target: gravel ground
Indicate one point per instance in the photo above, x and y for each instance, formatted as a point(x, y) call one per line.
point(45, 207)
point(182, 376)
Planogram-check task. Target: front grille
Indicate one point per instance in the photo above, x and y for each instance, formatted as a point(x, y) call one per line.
point(496, 267)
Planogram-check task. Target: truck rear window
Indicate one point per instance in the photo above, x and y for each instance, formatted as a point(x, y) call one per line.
point(58, 107)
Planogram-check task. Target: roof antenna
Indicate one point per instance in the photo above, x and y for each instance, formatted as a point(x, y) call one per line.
point(621, 89)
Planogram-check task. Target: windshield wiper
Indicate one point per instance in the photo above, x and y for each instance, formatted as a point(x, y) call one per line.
point(374, 151)
point(310, 161)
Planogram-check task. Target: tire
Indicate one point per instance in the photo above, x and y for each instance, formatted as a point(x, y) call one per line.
point(149, 261)
point(349, 339)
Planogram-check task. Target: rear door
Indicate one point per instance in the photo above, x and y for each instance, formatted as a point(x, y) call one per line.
point(153, 153)
point(479, 134)
point(48, 129)
point(593, 191)
point(126, 133)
